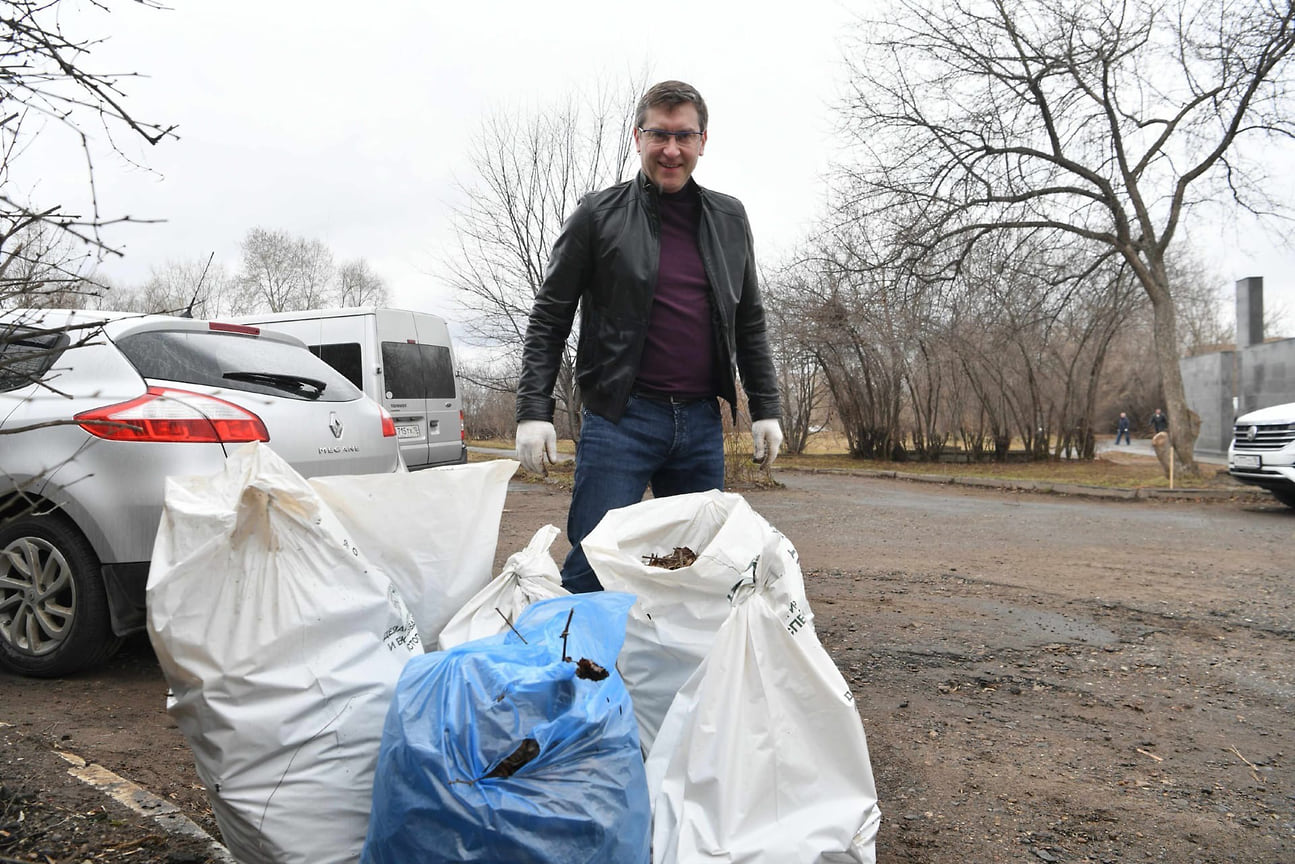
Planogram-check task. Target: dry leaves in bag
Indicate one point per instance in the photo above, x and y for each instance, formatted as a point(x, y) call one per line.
point(681, 557)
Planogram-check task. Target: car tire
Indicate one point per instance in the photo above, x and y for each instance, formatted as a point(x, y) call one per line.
point(54, 616)
point(1286, 496)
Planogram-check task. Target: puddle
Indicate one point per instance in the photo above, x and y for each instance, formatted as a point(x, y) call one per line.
point(1003, 625)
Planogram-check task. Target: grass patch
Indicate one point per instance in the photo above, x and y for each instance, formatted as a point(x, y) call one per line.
point(565, 445)
point(561, 475)
point(1099, 472)
point(1124, 471)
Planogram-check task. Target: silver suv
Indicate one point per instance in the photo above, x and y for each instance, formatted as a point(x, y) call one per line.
point(96, 410)
point(1262, 452)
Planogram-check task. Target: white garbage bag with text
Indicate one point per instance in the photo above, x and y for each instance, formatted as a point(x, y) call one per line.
point(762, 758)
point(679, 611)
point(529, 575)
point(282, 644)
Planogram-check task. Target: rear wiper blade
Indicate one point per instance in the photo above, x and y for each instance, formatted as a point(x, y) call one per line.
point(311, 387)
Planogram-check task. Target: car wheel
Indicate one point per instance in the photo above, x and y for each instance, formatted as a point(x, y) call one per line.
point(1286, 496)
point(53, 609)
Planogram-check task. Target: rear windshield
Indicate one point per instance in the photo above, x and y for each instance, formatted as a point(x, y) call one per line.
point(26, 355)
point(236, 362)
point(418, 371)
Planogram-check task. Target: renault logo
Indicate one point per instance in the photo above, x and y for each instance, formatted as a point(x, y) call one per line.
point(334, 424)
point(1252, 433)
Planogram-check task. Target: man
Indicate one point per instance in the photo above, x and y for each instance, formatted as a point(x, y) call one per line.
point(1159, 422)
point(664, 274)
point(1122, 428)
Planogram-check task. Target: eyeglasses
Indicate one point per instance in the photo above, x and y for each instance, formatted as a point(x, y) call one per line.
point(660, 137)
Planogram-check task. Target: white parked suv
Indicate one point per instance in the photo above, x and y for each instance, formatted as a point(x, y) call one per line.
point(1262, 452)
point(97, 409)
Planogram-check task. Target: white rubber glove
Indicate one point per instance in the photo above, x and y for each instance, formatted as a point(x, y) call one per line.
point(766, 435)
point(537, 439)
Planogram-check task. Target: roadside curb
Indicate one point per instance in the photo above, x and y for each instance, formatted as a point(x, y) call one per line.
point(168, 816)
point(1138, 493)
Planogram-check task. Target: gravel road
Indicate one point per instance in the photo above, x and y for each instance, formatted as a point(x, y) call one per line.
point(1041, 678)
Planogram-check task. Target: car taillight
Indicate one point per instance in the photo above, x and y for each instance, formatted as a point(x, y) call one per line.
point(388, 424)
point(164, 414)
point(463, 429)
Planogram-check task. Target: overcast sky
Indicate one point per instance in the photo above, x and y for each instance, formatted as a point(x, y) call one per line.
point(349, 122)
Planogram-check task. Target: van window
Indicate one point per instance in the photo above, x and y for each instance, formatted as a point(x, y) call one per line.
point(418, 371)
point(344, 357)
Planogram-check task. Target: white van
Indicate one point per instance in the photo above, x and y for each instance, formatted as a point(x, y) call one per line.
point(401, 359)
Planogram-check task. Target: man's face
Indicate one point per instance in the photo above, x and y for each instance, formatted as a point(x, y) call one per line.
point(669, 165)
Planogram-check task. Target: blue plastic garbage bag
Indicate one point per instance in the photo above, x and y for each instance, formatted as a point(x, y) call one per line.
point(498, 751)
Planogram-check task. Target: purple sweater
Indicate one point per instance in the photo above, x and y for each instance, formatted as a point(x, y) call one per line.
point(679, 354)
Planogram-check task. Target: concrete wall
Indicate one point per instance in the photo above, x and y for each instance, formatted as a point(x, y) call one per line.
point(1209, 382)
point(1222, 386)
point(1267, 375)
point(1258, 376)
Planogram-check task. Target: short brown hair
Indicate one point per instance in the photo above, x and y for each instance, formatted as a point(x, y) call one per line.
point(671, 94)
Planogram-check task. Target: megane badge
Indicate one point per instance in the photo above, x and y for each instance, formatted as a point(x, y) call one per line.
point(334, 424)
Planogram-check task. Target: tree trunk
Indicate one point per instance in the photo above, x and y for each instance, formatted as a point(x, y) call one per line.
point(1182, 432)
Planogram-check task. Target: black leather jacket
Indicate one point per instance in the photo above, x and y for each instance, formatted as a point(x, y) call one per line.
point(605, 260)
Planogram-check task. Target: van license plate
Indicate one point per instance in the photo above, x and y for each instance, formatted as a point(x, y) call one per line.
point(405, 430)
point(1240, 461)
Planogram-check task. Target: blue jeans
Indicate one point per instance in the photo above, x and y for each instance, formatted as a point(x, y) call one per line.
point(1125, 433)
point(674, 447)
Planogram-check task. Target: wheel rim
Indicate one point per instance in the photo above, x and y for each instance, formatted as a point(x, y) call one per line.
point(37, 596)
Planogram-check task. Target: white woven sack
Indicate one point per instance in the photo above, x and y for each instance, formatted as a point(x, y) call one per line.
point(678, 613)
point(528, 575)
point(433, 532)
point(762, 758)
point(282, 646)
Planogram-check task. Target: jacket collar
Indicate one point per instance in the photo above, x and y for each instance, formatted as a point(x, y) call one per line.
point(649, 188)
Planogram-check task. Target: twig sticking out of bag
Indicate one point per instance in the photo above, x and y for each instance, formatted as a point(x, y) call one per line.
point(681, 557)
point(585, 668)
point(565, 631)
point(511, 627)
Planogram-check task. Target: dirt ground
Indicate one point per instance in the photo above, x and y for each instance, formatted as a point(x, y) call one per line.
point(1041, 678)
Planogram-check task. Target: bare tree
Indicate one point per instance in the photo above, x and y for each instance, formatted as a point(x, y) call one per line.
point(1010, 348)
point(358, 285)
point(43, 266)
point(1105, 119)
point(488, 412)
point(282, 273)
point(531, 171)
point(1204, 303)
point(197, 287)
point(1083, 333)
point(48, 87)
point(853, 314)
point(805, 395)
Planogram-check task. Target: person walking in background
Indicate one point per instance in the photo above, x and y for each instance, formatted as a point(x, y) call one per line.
point(1159, 422)
point(664, 273)
point(1122, 428)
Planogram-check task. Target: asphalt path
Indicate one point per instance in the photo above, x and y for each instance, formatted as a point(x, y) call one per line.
point(1142, 447)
